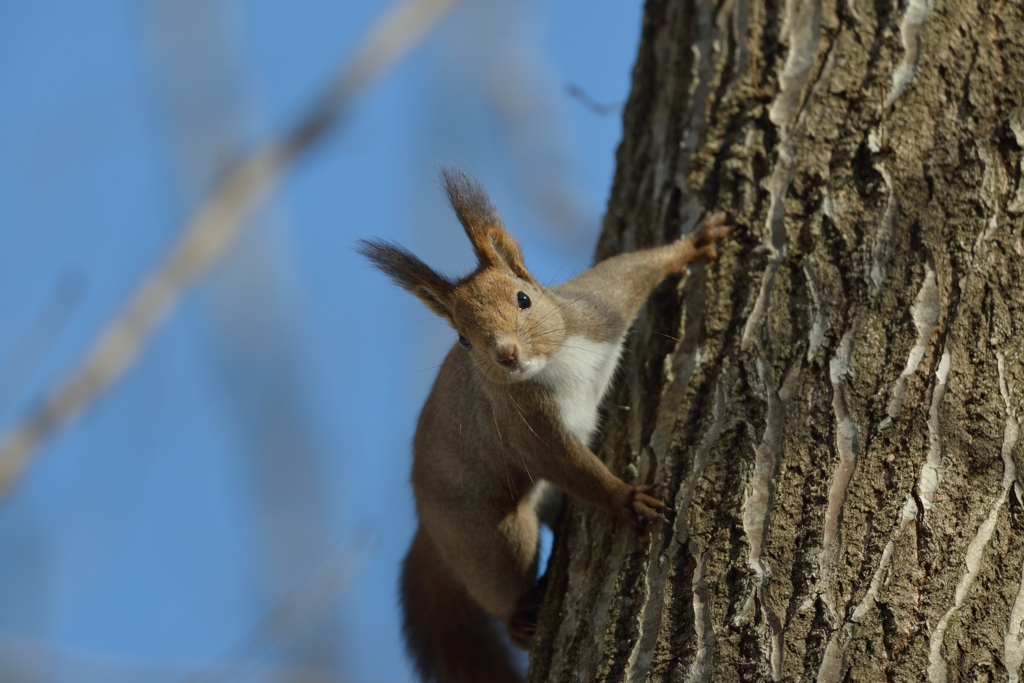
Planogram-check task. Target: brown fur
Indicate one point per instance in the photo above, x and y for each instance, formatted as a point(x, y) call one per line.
point(505, 415)
point(461, 645)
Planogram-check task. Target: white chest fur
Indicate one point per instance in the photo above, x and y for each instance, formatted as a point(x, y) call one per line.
point(579, 375)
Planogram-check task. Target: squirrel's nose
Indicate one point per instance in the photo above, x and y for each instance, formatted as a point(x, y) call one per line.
point(508, 355)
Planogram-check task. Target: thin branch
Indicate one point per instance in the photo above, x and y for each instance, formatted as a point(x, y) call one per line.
point(210, 233)
point(581, 96)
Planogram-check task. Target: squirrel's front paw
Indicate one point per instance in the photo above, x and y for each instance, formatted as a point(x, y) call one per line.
point(642, 505)
point(714, 228)
point(700, 245)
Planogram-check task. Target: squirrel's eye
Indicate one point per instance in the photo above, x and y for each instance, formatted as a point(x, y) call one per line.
point(524, 301)
point(464, 343)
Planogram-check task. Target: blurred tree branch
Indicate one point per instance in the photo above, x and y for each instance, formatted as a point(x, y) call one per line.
point(200, 66)
point(210, 233)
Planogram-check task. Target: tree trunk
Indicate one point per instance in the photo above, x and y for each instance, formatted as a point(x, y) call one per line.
point(835, 426)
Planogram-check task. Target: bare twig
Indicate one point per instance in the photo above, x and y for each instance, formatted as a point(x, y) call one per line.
point(580, 95)
point(200, 69)
point(210, 233)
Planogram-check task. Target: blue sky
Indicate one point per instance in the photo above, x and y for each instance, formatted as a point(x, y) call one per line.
point(265, 429)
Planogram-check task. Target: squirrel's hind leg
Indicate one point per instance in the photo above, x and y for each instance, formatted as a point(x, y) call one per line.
point(449, 637)
point(495, 557)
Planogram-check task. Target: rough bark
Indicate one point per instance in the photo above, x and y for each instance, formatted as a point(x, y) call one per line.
point(832, 408)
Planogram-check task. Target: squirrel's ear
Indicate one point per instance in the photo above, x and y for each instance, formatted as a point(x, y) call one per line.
point(506, 249)
point(486, 231)
point(408, 272)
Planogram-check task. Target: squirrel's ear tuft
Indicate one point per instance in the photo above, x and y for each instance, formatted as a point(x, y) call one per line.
point(408, 272)
point(473, 208)
point(486, 231)
point(506, 249)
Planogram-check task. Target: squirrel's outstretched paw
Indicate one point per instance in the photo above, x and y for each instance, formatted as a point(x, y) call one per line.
point(643, 506)
point(711, 230)
point(700, 245)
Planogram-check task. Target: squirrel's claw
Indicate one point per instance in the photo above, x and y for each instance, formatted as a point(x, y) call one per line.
point(712, 229)
point(700, 244)
point(642, 506)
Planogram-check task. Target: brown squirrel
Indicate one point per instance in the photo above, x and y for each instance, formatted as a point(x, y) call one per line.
point(515, 405)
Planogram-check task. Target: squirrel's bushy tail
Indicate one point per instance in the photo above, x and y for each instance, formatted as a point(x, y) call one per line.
point(449, 637)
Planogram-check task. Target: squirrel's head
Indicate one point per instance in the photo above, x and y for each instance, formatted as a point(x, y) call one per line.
point(503, 316)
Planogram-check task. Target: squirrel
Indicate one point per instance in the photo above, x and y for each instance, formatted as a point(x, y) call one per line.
point(514, 408)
